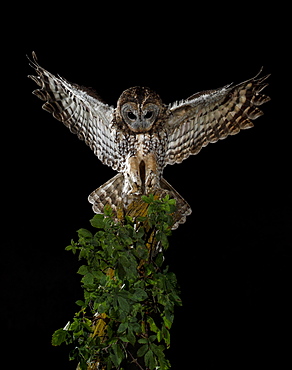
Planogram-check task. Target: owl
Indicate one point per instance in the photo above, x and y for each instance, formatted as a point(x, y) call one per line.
point(142, 135)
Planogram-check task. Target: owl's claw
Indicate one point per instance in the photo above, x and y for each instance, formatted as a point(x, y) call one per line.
point(136, 189)
point(152, 183)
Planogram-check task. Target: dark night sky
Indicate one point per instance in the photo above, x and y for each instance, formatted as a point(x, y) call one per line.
point(232, 257)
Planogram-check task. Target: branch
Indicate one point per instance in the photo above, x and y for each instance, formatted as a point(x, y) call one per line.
point(135, 361)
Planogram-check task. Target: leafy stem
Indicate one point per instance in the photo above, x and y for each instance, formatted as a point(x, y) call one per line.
point(129, 297)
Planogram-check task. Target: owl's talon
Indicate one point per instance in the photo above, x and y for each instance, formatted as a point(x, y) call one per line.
point(136, 190)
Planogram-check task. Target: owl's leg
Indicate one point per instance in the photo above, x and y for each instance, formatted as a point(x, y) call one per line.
point(133, 182)
point(152, 177)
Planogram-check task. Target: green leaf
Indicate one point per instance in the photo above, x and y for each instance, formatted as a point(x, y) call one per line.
point(82, 270)
point(167, 322)
point(159, 335)
point(82, 364)
point(131, 337)
point(124, 304)
point(84, 233)
point(140, 233)
point(152, 324)
point(114, 359)
point(152, 338)
point(123, 338)
point(100, 277)
point(119, 354)
point(159, 259)
point(59, 337)
point(149, 360)
point(141, 251)
point(158, 350)
point(143, 340)
point(123, 326)
point(166, 336)
point(139, 295)
point(148, 199)
point(135, 327)
point(88, 279)
point(87, 324)
point(98, 221)
point(109, 364)
point(162, 238)
point(142, 350)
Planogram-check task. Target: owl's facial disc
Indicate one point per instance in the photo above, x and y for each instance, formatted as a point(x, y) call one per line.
point(139, 118)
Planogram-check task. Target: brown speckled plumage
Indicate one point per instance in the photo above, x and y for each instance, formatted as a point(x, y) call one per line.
point(143, 135)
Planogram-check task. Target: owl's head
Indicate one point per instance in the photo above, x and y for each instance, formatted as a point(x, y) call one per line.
point(139, 108)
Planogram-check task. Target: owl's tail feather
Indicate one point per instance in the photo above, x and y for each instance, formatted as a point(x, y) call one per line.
point(182, 207)
point(110, 194)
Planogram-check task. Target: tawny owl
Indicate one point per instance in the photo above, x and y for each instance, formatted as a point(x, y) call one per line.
point(142, 135)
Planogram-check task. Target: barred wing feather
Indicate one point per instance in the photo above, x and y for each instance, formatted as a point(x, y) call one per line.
point(211, 115)
point(81, 110)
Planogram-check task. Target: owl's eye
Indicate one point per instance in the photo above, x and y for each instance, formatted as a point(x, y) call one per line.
point(148, 114)
point(131, 115)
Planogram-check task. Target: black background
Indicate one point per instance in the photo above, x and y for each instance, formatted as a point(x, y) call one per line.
point(232, 257)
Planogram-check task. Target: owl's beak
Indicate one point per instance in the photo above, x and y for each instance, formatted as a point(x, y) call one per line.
point(141, 125)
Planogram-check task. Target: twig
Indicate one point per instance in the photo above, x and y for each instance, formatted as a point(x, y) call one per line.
point(135, 361)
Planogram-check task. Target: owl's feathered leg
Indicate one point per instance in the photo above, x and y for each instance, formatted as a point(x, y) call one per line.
point(141, 175)
point(152, 179)
point(133, 181)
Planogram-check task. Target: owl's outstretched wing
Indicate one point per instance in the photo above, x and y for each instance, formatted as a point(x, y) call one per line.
point(211, 115)
point(80, 110)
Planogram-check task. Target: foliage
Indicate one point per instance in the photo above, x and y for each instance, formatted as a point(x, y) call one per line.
point(129, 298)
